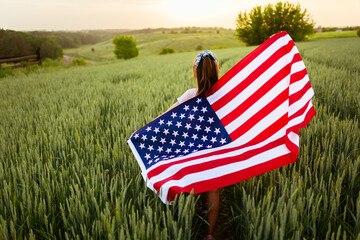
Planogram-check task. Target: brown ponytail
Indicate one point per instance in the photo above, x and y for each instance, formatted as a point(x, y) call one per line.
point(206, 73)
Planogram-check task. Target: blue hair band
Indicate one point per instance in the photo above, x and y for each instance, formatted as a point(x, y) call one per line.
point(202, 55)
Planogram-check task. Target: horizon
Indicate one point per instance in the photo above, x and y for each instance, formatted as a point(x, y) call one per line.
point(82, 15)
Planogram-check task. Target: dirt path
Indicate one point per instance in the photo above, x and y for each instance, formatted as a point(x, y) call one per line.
point(67, 58)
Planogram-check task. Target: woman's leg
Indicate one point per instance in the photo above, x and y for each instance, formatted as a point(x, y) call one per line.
point(213, 212)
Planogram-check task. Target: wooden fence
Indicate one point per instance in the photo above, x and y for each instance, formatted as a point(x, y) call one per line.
point(30, 60)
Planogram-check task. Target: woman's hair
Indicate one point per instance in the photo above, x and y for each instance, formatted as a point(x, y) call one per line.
point(206, 73)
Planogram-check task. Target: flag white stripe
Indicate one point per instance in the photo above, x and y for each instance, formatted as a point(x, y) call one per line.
point(297, 66)
point(256, 107)
point(300, 118)
point(297, 86)
point(294, 138)
point(296, 106)
point(235, 143)
point(264, 123)
point(246, 71)
point(170, 171)
point(230, 168)
point(261, 80)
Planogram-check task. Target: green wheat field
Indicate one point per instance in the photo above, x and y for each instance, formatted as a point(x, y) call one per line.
point(66, 171)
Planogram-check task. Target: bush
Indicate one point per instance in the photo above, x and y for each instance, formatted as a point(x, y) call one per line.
point(199, 47)
point(167, 50)
point(260, 23)
point(78, 61)
point(125, 47)
point(358, 32)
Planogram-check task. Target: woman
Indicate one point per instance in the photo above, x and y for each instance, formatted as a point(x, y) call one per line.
point(206, 72)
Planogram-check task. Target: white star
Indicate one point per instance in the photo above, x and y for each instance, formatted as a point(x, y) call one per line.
point(153, 139)
point(136, 136)
point(213, 140)
point(210, 120)
point(209, 146)
point(199, 146)
point(178, 124)
point(194, 136)
point(175, 133)
point(148, 129)
point(186, 108)
point(168, 150)
point(182, 143)
point(204, 138)
point(207, 129)
point(223, 140)
point(156, 130)
point(166, 131)
point(174, 115)
point(162, 140)
point(198, 127)
point(217, 131)
point(191, 117)
point(188, 126)
point(185, 135)
point(142, 146)
point(177, 150)
point(182, 115)
point(172, 156)
point(186, 151)
point(198, 100)
point(195, 150)
point(172, 142)
point(150, 148)
point(204, 109)
point(201, 118)
point(161, 122)
point(147, 156)
point(149, 162)
point(191, 144)
point(195, 108)
point(160, 149)
point(144, 137)
point(169, 123)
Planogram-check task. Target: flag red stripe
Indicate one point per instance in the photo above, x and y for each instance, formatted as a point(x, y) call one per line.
point(299, 94)
point(252, 77)
point(255, 96)
point(222, 162)
point(269, 131)
point(267, 109)
point(243, 63)
point(233, 178)
point(309, 115)
point(298, 75)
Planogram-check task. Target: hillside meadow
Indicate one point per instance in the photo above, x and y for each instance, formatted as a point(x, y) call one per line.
point(152, 43)
point(66, 171)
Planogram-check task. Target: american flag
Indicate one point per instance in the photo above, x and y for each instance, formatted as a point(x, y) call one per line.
point(246, 125)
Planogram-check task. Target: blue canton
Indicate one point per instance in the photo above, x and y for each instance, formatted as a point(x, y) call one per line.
point(188, 128)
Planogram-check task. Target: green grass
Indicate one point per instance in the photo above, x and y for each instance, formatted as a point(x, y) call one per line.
point(343, 34)
point(152, 44)
point(66, 171)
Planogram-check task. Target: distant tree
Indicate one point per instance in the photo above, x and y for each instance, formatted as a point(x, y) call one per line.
point(167, 50)
point(260, 23)
point(358, 32)
point(125, 47)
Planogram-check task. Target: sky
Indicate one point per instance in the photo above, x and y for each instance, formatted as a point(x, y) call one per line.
point(25, 15)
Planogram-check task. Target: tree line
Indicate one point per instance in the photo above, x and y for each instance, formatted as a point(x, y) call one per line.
point(14, 44)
